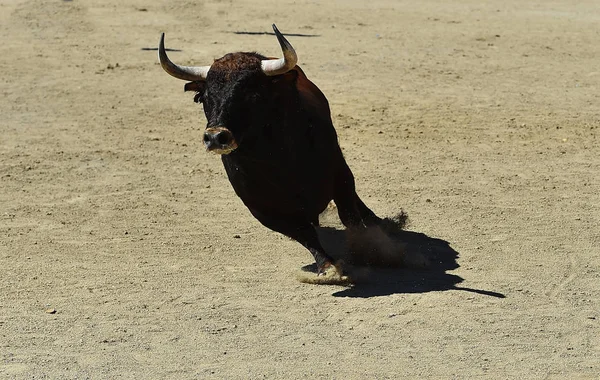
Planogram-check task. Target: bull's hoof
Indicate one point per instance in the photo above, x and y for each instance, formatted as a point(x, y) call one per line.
point(329, 274)
point(325, 268)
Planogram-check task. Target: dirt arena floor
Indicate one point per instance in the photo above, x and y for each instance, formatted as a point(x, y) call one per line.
point(124, 252)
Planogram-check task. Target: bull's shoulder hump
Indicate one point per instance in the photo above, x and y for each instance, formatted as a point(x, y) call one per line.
point(311, 96)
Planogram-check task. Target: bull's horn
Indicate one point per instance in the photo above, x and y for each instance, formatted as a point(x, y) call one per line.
point(273, 67)
point(191, 73)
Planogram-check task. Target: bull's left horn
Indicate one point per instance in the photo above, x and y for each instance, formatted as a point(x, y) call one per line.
point(279, 66)
point(191, 73)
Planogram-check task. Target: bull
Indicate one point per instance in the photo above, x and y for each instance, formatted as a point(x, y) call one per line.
point(272, 127)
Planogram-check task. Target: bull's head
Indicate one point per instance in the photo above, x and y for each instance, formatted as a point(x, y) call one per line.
point(236, 91)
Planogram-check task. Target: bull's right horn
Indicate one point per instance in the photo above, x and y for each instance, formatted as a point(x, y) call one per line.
point(191, 73)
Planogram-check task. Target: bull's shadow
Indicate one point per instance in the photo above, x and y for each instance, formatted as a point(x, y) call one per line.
point(385, 278)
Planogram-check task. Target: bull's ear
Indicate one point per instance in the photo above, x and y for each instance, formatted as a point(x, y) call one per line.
point(288, 78)
point(198, 87)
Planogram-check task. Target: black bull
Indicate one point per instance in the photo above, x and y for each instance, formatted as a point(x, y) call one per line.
point(273, 129)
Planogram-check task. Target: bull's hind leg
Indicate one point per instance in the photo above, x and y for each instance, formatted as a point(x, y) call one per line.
point(369, 218)
point(351, 209)
point(303, 232)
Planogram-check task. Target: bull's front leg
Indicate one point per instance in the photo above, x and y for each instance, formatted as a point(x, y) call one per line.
point(307, 236)
point(301, 231)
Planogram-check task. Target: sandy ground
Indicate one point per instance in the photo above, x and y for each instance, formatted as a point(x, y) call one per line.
point(124, 252)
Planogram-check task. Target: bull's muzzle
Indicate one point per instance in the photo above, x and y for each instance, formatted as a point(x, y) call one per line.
point(219, 140)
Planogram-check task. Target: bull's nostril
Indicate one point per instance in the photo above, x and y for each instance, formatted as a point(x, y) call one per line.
point(223, 138)
point(206, 138)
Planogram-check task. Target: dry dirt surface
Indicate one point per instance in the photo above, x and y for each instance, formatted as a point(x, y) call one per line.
point(124, 252)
